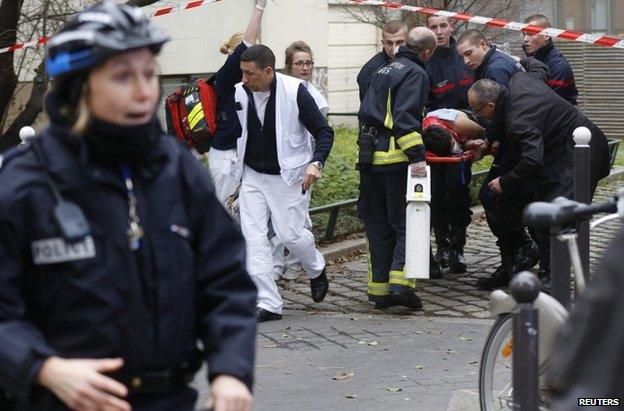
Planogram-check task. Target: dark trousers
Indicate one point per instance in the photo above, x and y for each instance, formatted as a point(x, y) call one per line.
point(450, 203)
point(381, 207)
point(503, 212)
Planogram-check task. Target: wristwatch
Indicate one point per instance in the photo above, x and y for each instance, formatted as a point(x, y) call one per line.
point(317, 164)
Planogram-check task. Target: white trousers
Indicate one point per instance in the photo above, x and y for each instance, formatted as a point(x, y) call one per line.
point(219, 163)
point(264, 195)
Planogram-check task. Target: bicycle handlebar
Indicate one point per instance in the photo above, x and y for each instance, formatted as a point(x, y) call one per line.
point(562, 211)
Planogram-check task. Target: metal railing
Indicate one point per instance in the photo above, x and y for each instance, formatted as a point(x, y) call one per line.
point(327, 218)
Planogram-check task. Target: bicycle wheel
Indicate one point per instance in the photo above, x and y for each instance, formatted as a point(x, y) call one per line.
point(495, 374)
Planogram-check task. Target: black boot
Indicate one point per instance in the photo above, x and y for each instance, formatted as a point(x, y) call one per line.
point(457, 262)
point(319, 287)
point(501, 276)
point(544, 277)
point(526, 257)
point(405, 296)
point(435, 272)
point(442, 245)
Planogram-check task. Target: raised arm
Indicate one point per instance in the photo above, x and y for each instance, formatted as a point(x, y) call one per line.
point(253, 28)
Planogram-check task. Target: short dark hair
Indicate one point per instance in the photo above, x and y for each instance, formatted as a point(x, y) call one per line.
point(472, 36)
point(438, 141)
point(486, 91)
point(539, 19)
point(261, 55)
point(394, 26)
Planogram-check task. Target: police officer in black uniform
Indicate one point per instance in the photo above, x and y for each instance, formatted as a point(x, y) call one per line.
point(116, 258)
point(449, 81)
point(391, 116)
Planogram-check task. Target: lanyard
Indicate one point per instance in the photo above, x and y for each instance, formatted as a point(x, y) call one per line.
point(135, 231)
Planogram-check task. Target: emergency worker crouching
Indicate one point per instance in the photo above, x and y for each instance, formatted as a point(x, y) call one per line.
point(391, 115)
point(116, 255)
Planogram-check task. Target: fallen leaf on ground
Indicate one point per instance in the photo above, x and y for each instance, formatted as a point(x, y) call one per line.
point(393, 389)
point(464, 338)
point(270, 346)
point(419, 367)
point(342, 376)
point(373, 343)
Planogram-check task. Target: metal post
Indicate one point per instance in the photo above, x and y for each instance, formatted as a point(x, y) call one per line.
point(559, 269)
point(525, 288)
point(582, 137)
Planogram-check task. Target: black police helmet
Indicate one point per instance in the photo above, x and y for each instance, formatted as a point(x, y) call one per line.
point(92, 36)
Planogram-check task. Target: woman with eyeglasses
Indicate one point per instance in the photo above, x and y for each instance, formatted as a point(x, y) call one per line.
point(299, 62)
point(116, 258)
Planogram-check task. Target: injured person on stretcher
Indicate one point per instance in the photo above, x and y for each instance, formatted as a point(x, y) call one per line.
point(451, 135)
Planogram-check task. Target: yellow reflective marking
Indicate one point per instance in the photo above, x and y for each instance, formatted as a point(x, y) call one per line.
point(409, 140)
point(196, 115)
point(388, 121)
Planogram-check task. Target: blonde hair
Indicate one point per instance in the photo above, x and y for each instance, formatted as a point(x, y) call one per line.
point(227, 47)
point(297, 46)
point(82, 113)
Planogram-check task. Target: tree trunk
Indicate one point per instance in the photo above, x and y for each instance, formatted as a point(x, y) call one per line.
point(32, 109)
point(9, 15)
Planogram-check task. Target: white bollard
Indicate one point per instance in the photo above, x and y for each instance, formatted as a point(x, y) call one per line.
point(417, 225)
point(26, 133)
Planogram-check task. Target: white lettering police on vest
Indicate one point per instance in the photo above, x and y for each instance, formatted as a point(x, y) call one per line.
point(56, 250)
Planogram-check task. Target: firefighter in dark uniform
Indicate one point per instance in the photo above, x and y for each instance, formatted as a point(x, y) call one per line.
point(389, 143)
point(393, 35)
point(116, 256)
point(561, 77)
point(449, 81)
point(540, 145)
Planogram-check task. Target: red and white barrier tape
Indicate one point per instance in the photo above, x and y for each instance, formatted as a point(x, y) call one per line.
point(163, 11)
point(605, 41)
point(599, 40)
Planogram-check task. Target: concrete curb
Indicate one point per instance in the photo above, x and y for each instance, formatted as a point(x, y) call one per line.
point(348, 247)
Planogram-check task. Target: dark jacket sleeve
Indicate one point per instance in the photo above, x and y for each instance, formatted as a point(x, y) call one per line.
point(409, 99)
point(226, 295)
point(561, 77)
point(364, 76)
point(528, 142)
point(230, 73)
point(536, 68)
point(23, 348)
point(587, 361)
point(316, 123)
point(499, 72)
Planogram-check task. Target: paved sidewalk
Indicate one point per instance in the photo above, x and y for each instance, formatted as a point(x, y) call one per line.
point(454, 296)
point(390, 360)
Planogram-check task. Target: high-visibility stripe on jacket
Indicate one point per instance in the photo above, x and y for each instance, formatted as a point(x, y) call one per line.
point(394, 105)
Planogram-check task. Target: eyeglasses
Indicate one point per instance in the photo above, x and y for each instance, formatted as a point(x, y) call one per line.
point(302, 63)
